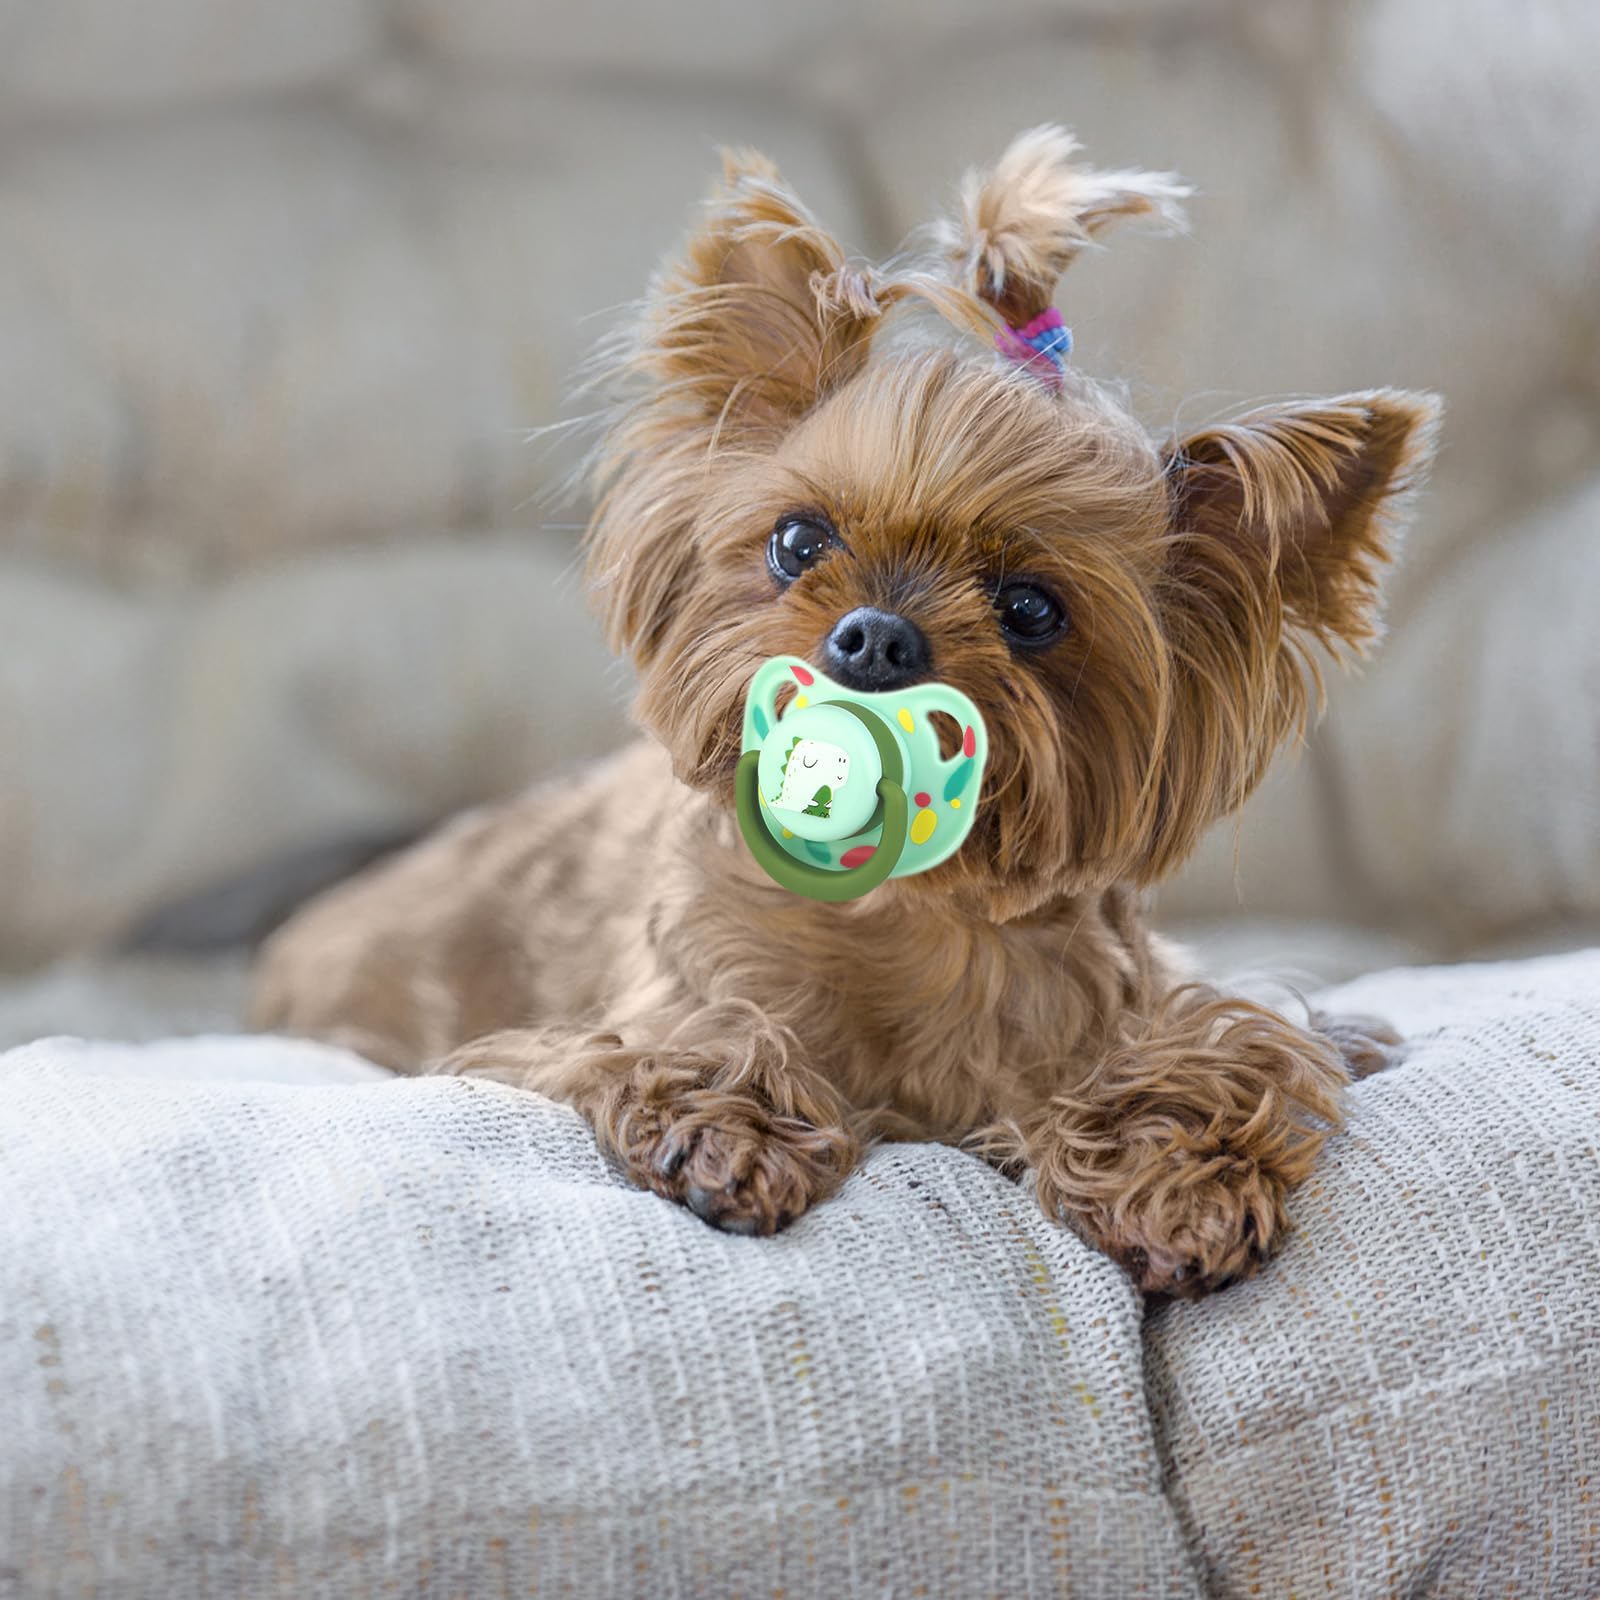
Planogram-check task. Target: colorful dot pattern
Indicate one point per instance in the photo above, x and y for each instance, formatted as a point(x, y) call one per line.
point(925, 817)
point(925, 821)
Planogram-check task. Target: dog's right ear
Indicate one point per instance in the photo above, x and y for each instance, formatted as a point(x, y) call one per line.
point(760, 316)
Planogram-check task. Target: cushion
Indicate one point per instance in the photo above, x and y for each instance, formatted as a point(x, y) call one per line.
point(268, 1321)
point(238, 330)
point(1405, 1402)
point(1489, 816)
point(315, 1338)
point(1362, 217)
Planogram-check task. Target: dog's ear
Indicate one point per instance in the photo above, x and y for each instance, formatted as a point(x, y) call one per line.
point(1281, 523)
point(1300, 501)
point(761, 315)
point(756, 320)
point(1021, 224)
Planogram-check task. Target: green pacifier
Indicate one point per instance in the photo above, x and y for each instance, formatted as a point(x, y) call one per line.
point(843, 790)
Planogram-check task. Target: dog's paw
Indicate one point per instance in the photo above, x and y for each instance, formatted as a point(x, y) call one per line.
point(1203, 1222)
point(1365, 1044)
point(1221, 1232)
point(730, 1159)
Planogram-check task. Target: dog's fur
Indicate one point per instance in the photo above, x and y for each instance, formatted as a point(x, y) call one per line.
point(609, 941)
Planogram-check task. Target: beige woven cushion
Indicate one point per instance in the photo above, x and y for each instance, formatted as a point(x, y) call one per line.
point(301, 1340)
point(1408, 1400)
point(318, 1341)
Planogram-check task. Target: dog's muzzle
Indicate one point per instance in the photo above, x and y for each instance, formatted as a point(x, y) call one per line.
point(844, 789)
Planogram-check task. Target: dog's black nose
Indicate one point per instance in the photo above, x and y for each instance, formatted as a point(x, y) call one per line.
point(872, 650)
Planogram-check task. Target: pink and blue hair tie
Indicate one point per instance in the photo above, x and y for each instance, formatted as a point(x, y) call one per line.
point(1041, 347)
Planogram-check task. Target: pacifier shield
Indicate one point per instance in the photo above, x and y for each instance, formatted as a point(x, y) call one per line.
point(835, 767)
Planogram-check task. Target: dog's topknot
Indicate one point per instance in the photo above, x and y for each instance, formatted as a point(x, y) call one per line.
point(1021, 223)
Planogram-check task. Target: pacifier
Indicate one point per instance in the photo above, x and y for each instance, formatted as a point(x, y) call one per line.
point(843, 790)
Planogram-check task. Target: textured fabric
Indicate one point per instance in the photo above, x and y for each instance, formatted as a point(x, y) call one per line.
point(417, 1338)
point(1408, 1402)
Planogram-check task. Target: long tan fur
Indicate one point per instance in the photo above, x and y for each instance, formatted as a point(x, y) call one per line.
point(609, 941)
point(1021, 225)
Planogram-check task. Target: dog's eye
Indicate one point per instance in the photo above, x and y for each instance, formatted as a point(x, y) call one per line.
point(798, 544)
point(1028, 614)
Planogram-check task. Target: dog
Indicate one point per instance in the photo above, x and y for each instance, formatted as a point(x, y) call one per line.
point(893, 471)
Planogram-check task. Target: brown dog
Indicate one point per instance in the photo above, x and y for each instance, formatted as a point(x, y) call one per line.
point(1135, 623)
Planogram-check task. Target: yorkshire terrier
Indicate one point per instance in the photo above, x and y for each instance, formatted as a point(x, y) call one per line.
point(1140, 623)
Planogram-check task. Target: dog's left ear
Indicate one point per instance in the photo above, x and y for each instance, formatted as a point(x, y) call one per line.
point(1280, 524)
point(1297, 505)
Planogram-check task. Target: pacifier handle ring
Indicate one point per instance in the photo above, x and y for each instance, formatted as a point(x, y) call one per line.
point(800, 877)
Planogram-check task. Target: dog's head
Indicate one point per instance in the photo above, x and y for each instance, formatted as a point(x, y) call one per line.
point(798, 472)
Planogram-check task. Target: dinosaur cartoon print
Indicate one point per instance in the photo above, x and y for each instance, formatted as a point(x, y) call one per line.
point(813, 770)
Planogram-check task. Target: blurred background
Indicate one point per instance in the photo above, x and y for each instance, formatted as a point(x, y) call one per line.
point(286, 284)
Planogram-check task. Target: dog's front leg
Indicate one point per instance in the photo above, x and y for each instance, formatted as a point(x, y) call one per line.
point(718, 1114)
point(1176, 1152)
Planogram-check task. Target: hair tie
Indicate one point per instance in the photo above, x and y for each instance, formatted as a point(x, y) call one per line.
point(1041, 347)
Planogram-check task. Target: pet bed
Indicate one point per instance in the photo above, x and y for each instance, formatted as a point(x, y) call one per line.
point(273, 1324)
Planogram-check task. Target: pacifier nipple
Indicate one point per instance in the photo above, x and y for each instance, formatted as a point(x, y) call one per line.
point(820, 768)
